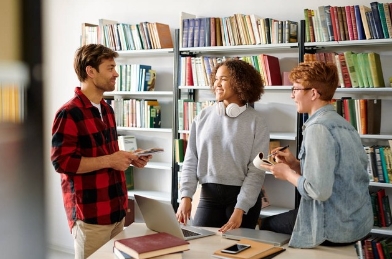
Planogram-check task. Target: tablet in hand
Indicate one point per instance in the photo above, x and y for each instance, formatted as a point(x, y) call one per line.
point(149, 151)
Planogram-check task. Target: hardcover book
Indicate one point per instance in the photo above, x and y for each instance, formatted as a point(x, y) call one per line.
point(163, 35)
point(121, 255)
point(148, 246)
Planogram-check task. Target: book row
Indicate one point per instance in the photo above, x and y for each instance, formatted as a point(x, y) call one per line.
point(135, 78)
point(374, 246)
point(351, 22)
point(188, 110)
point(354, 69)
point(123, 36)
point(138, 113)
point(363, 114)
point(380, 163)
point(237, 29)
point(381, 208)
point(196, 71)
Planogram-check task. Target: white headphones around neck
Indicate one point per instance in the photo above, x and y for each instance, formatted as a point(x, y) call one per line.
point(232, 110)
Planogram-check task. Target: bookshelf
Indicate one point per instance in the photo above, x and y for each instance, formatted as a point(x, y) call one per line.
point(275, 103)
point(383, 47)
point(155, 179)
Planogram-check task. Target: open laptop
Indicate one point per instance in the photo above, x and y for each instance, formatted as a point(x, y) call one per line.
point(160, 217)
point(264, 236)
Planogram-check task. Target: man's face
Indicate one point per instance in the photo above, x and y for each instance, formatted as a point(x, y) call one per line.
point(105, 78)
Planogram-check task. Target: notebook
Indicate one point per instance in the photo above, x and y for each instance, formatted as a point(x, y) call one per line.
point(264, 236)
point(160, 217)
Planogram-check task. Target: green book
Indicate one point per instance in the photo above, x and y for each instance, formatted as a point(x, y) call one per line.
point(376, 69)
point(348, 56)
point(367, 69)
point(357, 69)
point(129, 178)
point(362, 70)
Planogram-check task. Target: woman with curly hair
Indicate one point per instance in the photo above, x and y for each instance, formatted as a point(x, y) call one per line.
point(223, 141)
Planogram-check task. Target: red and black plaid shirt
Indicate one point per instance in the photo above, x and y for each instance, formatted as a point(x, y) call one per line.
point(98, 197)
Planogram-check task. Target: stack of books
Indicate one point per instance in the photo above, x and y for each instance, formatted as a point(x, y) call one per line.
point(158, 246)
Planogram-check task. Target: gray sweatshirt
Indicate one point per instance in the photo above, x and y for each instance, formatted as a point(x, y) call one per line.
point(221, 150)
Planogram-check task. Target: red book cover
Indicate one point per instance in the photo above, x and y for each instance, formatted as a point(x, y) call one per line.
point(346, 109)
point(335, 23)
point(380, 194)
point(344, 68)
point(272, 68)
point(354, 22)
point(349, 22)
point(188, 72)
point(151, 245)
point(380, 250)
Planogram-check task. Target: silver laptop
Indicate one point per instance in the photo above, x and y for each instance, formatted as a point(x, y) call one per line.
point(264, 236)
point(160, 217)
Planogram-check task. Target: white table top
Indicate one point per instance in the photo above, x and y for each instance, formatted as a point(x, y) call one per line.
point(204, 247)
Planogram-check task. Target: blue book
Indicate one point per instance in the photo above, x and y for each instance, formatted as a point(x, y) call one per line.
point(360, 29)
point(202, 32)
point(185, 31)
point(377, 20)
point(191, 32)
point(196, 32)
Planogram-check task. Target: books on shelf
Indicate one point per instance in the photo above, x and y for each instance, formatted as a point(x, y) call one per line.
point(350, 22)
point(237, 29)
point(151, 245)
point(137, 113)
point(89, 34)
point(257, 250)
point(143, 35)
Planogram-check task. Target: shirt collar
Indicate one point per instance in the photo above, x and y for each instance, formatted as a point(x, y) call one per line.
point(319, 112)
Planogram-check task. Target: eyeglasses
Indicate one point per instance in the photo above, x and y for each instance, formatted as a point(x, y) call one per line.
point(293, 89)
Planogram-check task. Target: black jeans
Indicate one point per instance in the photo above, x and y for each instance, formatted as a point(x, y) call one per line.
point(281, 223)
point(217, 203)
point(284, 223)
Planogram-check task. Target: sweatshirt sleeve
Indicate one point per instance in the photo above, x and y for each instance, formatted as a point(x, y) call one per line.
point(254, 179)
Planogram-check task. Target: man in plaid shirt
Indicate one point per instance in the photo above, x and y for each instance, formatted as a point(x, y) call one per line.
point(85, 152)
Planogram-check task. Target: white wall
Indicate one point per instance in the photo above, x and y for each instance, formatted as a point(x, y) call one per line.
point(62, 25)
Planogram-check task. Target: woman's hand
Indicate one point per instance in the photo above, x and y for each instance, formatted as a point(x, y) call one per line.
point(234, 221)
point(184, 210)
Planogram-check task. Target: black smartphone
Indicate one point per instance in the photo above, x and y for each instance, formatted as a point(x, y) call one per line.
point(235, 249)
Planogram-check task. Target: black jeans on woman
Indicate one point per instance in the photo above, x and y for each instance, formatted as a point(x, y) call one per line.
point(217, 203)
point(284, 223)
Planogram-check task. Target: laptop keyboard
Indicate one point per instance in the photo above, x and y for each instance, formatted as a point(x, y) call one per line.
point(188, 233)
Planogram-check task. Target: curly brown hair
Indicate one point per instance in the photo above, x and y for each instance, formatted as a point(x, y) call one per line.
point(318, 75)
point(246, 80)
point(91, 55)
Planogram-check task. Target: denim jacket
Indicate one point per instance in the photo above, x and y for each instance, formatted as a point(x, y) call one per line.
point(335, 202)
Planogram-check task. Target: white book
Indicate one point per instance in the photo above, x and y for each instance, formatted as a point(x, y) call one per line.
point(127, 143)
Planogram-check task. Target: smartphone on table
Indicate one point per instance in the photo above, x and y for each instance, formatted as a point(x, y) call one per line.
point(235, 249)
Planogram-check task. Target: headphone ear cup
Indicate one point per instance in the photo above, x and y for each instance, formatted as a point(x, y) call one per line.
point(233, 110)
point(220, 108)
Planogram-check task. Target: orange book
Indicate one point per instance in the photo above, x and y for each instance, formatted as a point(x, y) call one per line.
point(163, 34)
point(363, 115)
